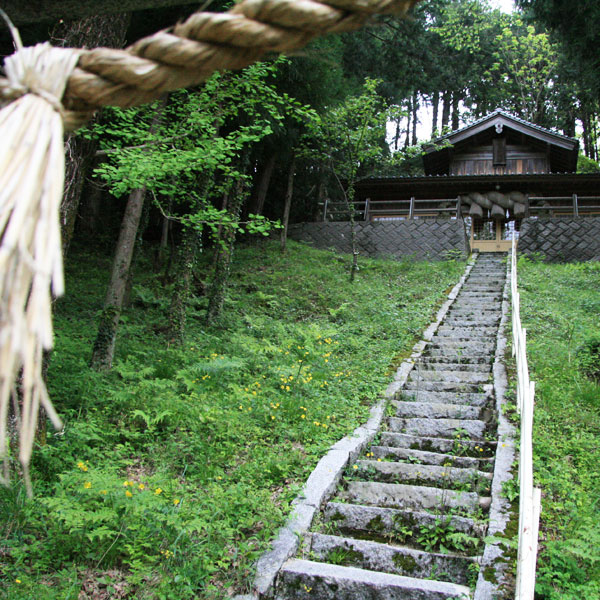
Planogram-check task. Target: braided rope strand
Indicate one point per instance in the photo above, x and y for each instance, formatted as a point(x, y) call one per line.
point(207, 42)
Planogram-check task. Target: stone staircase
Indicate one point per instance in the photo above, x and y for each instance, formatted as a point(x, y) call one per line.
point(409, 517)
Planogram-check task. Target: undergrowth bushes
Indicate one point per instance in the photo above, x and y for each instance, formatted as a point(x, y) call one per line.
point(561, 311)
point(176, 469)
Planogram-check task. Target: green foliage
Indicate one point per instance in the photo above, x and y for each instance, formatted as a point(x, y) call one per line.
point(349, 138)
point(229, 425)
point(193, 153)
point(587, 165)
point(560, 310)
point(441, 536)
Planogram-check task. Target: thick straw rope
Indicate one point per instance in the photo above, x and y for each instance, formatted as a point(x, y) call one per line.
point(53, 90)
point(32, 162)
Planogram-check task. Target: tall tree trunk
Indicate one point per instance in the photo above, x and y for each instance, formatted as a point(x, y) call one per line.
point(224, 254)
point(263, 183)
point(321, 193)
point(288, 202)
point(408, 123)
point(137, 250)
point(415, 109)
point(398, 132)
point(353, 238)
point(594, 135)
point(446, 104)
point(455, 111)
point(91, 32)
point(164, 237)
point(104, 345)
point(435, 102)
point(585, 121)
point(186, 260)
point(92, 204)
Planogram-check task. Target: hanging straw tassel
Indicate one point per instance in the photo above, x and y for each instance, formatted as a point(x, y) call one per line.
point(32, 166)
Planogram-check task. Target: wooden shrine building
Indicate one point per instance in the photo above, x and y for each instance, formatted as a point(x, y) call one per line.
point(493, 174)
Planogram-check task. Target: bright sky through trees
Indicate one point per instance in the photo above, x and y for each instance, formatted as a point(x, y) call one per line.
point(506, 6)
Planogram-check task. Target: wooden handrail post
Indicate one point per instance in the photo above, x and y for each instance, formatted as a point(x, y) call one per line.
point(367, 209)
point(411, 210)
point(575, 205)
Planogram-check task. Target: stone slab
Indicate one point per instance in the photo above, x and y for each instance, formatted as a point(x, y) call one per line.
point(307, 580)
point(397, 560)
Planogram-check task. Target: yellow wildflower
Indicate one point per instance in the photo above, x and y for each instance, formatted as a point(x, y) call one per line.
point(128, 493)
point(82, 466)
point(87, 485)
point(157, 491)
point(176, 501)
point(17, 581)
point(141, 486)
point(103, 492)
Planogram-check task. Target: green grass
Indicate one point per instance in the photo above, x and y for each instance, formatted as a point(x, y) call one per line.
point(176, 469)
point(561, 312)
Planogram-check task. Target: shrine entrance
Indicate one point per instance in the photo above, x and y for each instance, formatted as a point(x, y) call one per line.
point(492, 235)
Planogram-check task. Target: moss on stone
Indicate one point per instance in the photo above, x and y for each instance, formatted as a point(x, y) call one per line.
point(406, 564)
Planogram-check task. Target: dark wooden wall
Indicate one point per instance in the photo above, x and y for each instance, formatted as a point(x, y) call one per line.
point(519, 160)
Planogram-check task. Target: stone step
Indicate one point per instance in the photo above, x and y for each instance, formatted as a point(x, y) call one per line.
point(487, 312)
point(474, 305)
point(471, 322)
point(415, 497)
point(448, 376)
point(458, 354)
point(463, 346)
point(423, 475)
point(468, 331)
point(459, 446)
point(429, 364)
point(487, 298)
point(435, 410)
point(444, 428)
point(479, 295)
point(397, 525)
point(308, 580)
point(440, 386)
point(463, 360)
point(429, 458)
point(477, 399)
point(473, 342)
point(398, 560)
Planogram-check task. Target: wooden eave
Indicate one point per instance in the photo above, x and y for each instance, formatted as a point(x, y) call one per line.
point(449, 187)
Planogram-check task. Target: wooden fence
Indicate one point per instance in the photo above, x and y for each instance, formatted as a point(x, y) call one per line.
point(529, 497)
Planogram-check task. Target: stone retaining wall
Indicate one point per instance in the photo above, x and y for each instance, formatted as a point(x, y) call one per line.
point(561, 240)
point(423, 239)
